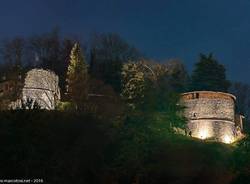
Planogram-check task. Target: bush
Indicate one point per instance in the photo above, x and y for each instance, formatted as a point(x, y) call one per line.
point(65, 106)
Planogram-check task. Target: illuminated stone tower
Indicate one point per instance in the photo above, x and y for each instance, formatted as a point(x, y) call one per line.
point(40, 86)
point(211, 115)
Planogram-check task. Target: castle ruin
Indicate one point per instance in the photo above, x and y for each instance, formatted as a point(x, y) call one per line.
point(211, 115)
point(39, 86)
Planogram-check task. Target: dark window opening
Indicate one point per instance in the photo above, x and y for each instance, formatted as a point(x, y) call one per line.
point(195, 95)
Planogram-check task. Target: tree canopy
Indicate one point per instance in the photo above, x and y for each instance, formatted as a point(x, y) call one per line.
point(208, 74)
point(107, 54)
point(77, 77)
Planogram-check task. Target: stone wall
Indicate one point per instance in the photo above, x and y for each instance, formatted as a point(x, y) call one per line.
point(223, 131)
point(210, 115)
point(201, 108)
point(42, 86)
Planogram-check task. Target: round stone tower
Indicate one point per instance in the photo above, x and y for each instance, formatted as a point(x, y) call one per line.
point(210, 115)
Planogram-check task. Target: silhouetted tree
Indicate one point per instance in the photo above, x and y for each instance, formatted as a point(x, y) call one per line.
point(242, 92)
point(13, 51)
point(13, 54)
point(67, 45)
point(208, 74)
point(176, 77)
point(107, 53)
point(46, 50)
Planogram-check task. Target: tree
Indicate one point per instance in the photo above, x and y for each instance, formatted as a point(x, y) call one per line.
point(242, 92)
point(208, 74)
point(151, 120)
point(67, 45)
point(108, 52)
point(77, 77)
point(13, 53)
point(176, 77)
point(45, 50)
point(143, 77)
point(52, 52)
point(133, 83)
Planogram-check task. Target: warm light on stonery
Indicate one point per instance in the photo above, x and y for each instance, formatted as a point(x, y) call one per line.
point(227, 139)
point(203, 134)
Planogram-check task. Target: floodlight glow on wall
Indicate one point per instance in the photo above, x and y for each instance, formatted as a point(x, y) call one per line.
point(227, 139)
point(203, 134)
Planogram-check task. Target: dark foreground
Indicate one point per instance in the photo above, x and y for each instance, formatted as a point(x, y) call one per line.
point(72, 148)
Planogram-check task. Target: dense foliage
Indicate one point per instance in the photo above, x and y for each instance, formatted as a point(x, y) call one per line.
point(209, 75)
point(79, 148)
point(77, 77)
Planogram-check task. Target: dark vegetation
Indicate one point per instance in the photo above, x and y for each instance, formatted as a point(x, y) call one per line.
point(116, 121)
point(79, 148)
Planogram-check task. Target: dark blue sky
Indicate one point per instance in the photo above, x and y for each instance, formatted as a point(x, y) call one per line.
point(160, 29)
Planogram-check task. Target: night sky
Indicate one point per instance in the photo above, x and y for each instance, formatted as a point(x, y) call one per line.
point(160, 29)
